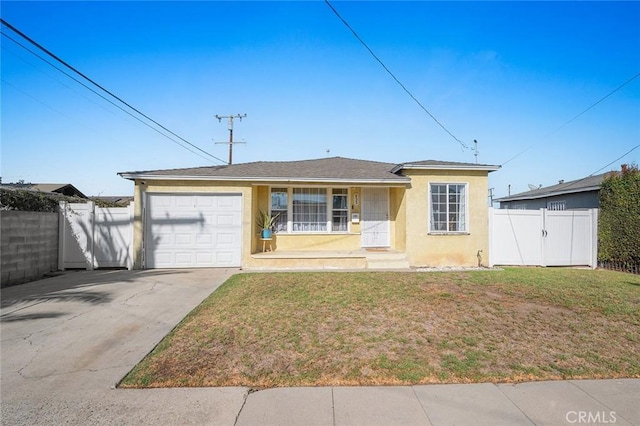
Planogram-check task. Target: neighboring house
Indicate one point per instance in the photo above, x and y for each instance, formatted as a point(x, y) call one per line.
point(57, 188)
point(333, 213)
point(577, 194)
point(121, 200)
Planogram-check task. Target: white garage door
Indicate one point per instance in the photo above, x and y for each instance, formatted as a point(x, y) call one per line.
point(191, 231)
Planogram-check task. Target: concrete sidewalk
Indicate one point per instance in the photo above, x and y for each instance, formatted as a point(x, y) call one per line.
point(66, 342)
point(537, 403)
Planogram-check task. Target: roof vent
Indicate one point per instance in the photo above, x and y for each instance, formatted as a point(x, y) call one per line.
point(561, 181)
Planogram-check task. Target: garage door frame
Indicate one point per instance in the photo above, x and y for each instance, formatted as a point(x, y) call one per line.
point(146, 230)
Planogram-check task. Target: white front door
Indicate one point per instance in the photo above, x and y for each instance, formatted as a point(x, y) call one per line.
point(375, 217)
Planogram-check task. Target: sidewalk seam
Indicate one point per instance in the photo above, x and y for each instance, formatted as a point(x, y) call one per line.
point(333, 407)
point(244, 401)
point(513, 403)
point(596, 399)
point(424, 410)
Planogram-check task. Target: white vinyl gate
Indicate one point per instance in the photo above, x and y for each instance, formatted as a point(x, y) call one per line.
point(94, 237)
point(543, 237)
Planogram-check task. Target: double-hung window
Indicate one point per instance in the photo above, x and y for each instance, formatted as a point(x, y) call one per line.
point(340, 210)
point(280, 207)
point(448, 206)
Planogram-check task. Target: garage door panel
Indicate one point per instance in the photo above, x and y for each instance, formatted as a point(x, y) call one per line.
point(225, 239)
point(203, 258)
point(184, 259)
point(193, 230)
point(225, 258)
point(205, 239)
point(183, 239)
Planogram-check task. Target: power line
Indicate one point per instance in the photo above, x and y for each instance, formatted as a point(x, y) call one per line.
point(576, 116)
point(102, 96)
point(597, 102)
point(393, 75)
point(58, 59)
point(622, 156)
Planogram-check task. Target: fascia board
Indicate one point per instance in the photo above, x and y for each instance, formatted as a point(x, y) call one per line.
point(142, 176)
point(547, 194)
point(444, 167)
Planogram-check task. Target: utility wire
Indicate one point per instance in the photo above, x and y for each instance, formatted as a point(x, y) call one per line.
point(576, 116)
point(58, 59)
point(622, 156)
point(597, 102)
point(101, 95)
point(355, 34)
point(575, 182)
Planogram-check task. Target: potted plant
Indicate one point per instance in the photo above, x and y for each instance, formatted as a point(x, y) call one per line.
point(265, 222)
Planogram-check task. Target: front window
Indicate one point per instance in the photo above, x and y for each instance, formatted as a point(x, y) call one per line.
point(340, 211)
point(448, 207)
point(279, 206)
point(309, 209)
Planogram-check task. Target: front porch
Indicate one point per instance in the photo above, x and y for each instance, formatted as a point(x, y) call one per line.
point(373, 259)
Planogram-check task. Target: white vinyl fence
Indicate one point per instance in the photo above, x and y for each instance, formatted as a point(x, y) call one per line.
point(94, 237)
point(543, 237)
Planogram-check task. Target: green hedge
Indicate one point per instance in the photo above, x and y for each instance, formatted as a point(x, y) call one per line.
point(619, 219)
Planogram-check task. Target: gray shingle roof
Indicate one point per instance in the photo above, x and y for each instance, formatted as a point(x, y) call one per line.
point(589, 183)
point(334, 168)
point(323, 169)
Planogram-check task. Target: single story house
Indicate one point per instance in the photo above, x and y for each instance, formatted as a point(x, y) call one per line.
point(577, 194)
point(332, 213)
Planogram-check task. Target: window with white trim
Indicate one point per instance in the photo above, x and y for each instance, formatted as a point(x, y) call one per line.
point(340, 210)
point(310, 209)
point(557, 205)
point(448, 204)
point(280, 207)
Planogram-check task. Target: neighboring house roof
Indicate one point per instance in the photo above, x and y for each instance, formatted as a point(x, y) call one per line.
point(589, 183)
point(124, 199)
point(58, 188)
point(334, 169)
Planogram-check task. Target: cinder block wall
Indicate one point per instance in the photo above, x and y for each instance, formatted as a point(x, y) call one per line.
point(28, 244)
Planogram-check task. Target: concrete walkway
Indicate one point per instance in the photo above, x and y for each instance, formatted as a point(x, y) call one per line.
point(66, 342)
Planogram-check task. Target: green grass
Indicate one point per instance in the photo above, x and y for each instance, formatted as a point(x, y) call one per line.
point(368, 328)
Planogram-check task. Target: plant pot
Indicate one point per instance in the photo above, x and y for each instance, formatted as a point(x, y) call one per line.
point(266, 233)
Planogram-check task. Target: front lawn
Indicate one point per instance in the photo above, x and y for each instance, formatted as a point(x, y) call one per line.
point(374, 328)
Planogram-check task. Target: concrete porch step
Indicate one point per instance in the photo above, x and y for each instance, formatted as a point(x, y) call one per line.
point(387, 260)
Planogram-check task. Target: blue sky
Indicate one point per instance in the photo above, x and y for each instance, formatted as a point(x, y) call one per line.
point(508, 74)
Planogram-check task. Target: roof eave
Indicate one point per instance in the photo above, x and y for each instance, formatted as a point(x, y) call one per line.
point(476, 167)
point(141, 176)
point(547, 195)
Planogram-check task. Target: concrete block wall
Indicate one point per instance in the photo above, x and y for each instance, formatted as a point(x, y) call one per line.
point(28, 245)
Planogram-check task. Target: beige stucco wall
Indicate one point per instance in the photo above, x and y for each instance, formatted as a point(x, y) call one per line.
point(426, 249)
point(307, 241)
point(408, 216)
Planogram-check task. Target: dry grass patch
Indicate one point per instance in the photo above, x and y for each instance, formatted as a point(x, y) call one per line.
point(307, 329)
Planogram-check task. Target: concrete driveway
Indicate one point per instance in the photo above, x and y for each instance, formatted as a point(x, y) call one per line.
point(67, 341)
